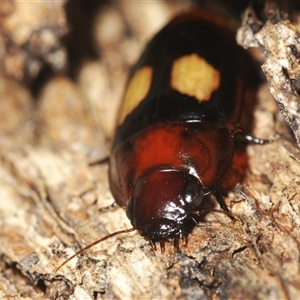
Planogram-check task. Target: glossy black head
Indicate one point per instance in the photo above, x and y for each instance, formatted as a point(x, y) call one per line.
point(163, 202)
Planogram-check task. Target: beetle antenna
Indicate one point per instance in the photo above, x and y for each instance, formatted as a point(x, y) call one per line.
point(95, 243)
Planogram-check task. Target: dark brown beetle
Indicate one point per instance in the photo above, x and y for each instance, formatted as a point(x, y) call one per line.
point(177, 123)
point(177, 126)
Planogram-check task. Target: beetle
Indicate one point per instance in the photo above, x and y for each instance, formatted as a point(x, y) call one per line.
point(177, 124)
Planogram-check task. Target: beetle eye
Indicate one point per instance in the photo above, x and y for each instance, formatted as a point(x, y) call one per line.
point(194, 191)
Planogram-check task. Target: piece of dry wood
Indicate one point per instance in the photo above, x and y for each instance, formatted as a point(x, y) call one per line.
point(50, 197)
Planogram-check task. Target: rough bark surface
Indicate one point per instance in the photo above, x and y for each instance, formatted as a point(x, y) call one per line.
point(279, 39)
point(50, 193)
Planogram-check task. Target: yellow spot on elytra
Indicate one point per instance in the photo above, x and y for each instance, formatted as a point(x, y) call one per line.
point(136, 91)
point(194, 76)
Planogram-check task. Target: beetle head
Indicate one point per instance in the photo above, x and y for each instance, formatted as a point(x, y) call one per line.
point(163, 202)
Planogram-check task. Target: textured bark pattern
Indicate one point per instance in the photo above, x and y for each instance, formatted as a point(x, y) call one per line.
point(279, 39)
point(50, 194)
point(30, 37)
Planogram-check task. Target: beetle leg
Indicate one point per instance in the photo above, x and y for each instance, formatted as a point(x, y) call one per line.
point(109, 207)
point(152, 244)
point(104, 160)
point(162, 246)
point(220, 198)
point(248, 138)
point(176, 243)
point(185, 240)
